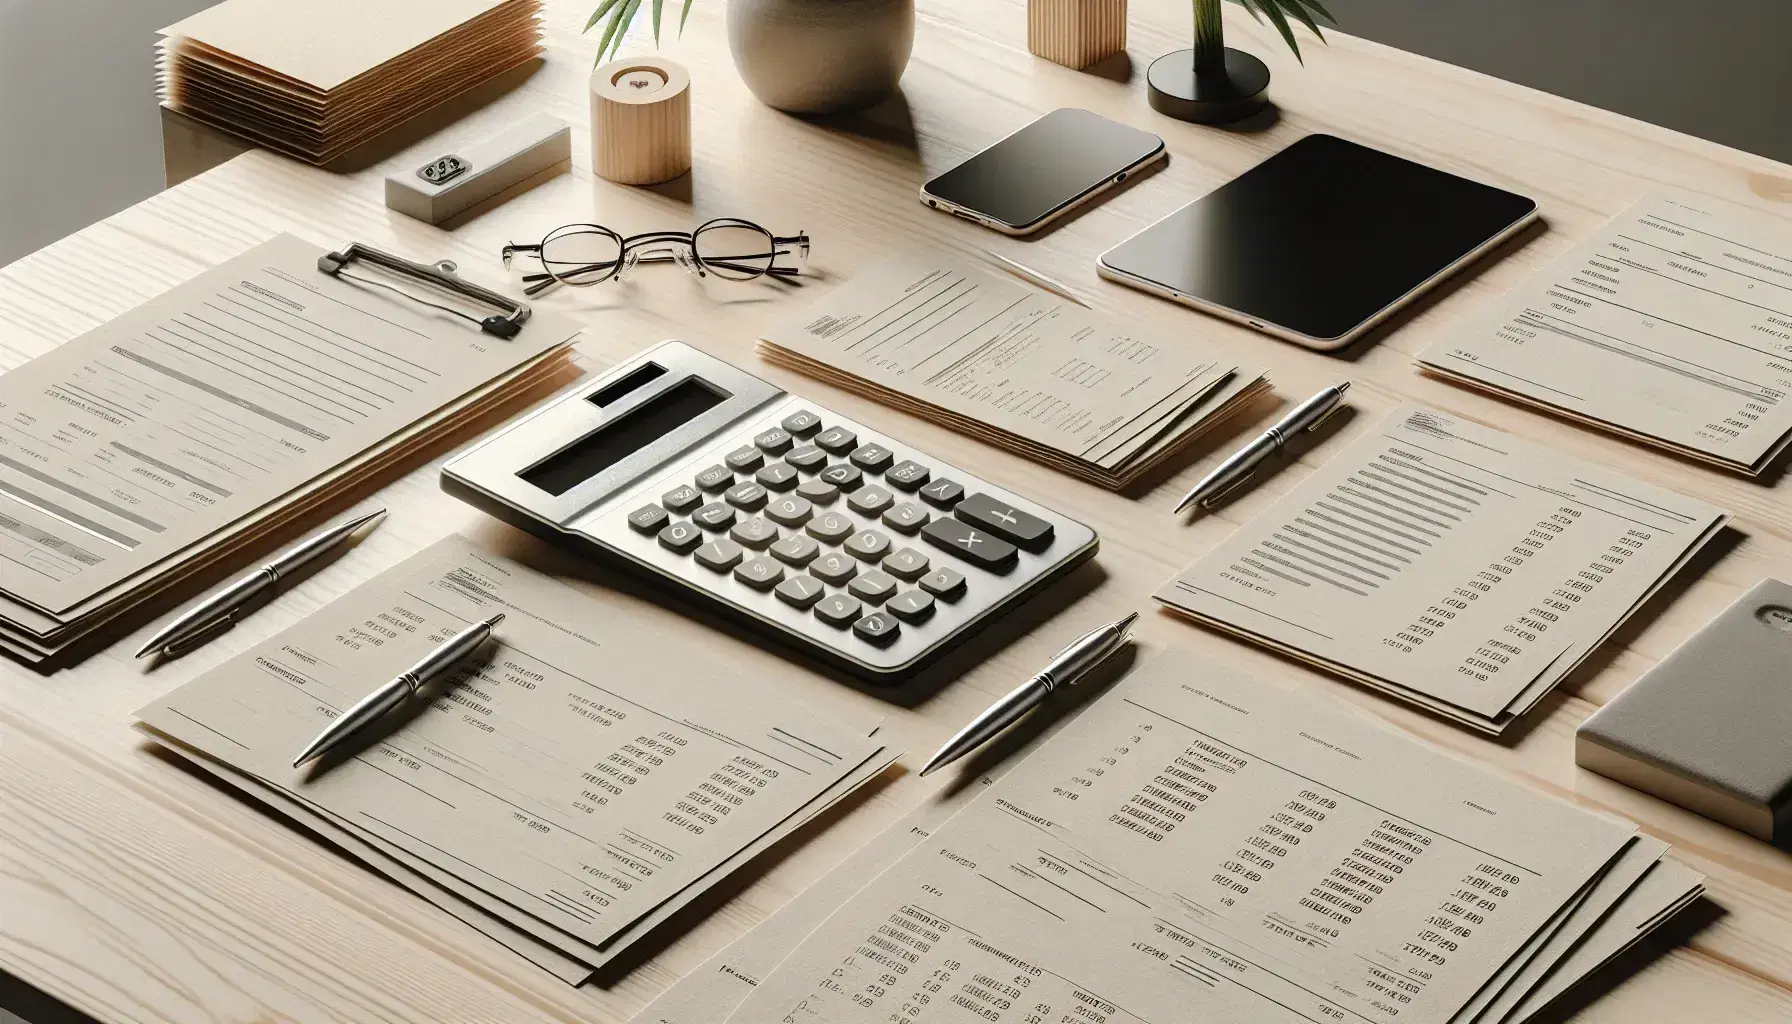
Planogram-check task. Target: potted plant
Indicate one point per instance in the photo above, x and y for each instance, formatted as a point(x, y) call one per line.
point(1213, 83)
point(803, 56)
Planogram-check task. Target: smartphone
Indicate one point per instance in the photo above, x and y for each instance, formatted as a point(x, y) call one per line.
point(1043, 171)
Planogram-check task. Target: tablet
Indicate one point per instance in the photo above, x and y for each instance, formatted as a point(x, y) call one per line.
point(1320, 242)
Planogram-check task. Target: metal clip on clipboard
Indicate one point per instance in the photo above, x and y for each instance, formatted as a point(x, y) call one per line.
point(440, 274)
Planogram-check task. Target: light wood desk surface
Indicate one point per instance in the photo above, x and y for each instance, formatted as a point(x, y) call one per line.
point(138, 892)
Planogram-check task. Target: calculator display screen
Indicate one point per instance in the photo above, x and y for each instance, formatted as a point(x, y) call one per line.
point(624, 435)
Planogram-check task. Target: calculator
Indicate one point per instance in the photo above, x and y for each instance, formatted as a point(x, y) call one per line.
point(831, 537)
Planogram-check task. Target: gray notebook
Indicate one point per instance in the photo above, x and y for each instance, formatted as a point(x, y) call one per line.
point(1710, 728)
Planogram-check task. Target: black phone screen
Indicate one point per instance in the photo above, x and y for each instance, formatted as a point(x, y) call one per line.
point(1047, 165)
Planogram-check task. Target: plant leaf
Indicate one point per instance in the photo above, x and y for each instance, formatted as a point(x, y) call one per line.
point(1317, 8)
point(1306, 19)
point(602, 9)
point(1250, 9)
point(657, 4)
point(1272, 9)
point(682, 18)
point(618, 27)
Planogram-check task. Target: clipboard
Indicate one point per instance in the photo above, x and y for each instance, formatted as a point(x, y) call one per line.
point(441, 274)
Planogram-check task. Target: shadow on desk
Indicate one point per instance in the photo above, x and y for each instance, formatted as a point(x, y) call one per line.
point(1676, 932)
point(22, 1004)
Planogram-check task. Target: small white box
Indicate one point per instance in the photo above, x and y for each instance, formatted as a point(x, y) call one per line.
point(535, 148)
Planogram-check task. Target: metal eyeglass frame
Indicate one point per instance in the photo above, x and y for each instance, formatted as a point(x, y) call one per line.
point(660, 247)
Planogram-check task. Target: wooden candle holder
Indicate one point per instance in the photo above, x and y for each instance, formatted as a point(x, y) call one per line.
point(1076, 33)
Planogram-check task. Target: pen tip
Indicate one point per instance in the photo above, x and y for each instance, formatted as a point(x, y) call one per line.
point(147, 649)
point(494, 620)
point(1126, 623)
point(1345, 386)
point(928, 769)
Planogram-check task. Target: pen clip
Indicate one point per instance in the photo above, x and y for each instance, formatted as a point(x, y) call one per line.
point(202, 636)
point(1223, 493)
point(1329, 413)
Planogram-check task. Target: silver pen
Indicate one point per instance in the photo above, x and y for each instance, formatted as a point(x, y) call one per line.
point(381, 701)
point(1233, 472)
point(1066, 667)
point(218, 612)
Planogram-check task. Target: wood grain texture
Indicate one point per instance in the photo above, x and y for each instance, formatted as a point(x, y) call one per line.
point(137, 891)
point(1076, 33)
point(644, 137)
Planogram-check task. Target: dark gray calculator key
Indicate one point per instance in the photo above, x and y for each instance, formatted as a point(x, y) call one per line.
point(778, 476)
point(870, 500)
point(868, 544)
point(834, 568)
point(877, 628)
point(978, 547)
point(838, 440)
point(747, 495)
point(945, 583)
point(801, 423)
point(800, 591)
point(942, 493)
point(774, 441)
point(843, 475)
point(759, 572)
point(648, 518)
point(745, 459)
point(872, 458)
point(906, 564)
point(680, 537)
point(831, 527)
point(872, 587)
point(1022, 529)
point(789, 510)
point(906, 517)
point(720, 554)
point(907, 475)
point(796, 550)
point(714, 516)
point(755, 533)
point(911, 605)
point(808, 458)
point(682, 499)
point(716, 478)
point(818, 490)
point(838, 610)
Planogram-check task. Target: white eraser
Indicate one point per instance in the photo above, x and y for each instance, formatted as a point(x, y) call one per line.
point(455, 181)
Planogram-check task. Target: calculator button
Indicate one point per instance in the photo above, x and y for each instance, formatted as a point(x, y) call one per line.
point(1022, 529)
point(774, 441)
point(944, 583)
point(801, 423)
point(837, 440)
point(807, 458)
point(977, 547)
point(831, 527)
point(682, 499)
point(778, 476)
point(834, 568)
point(872, 587)
point(907, 564)
point(869, 501)
point(906, 517)
point(838, 610)
point(818, 490)
point(877, 628)
point(745, 459)
point(796, 550)
point(680, 537)
point(648, 518)
point(755, 533)
point(942, 493)
point(908, 475)
point(911, 606)
point(843, 475)
point(789, 510)
point(747, 495)
point(868, 544)
point(759, 573)
point(714, 516)
point(720, 554)
point(872, 458)
point(800, 591)
point(715, 478)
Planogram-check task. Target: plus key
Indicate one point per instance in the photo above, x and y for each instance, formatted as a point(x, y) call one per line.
point(1020, 528)
point(978, 547)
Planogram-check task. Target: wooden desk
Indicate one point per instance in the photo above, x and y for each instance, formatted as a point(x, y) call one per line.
point(136, 891)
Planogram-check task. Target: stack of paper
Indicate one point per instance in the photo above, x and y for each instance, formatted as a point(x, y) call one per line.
point(1015, 367)
point(1201, 846)
point(314, 80)
point(205, 421)
point(564, 793)
point(1672, 325)
point(1448, 564)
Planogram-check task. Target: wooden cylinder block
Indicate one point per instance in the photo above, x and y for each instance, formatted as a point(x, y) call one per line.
point(1076, 33)
point(640, 121)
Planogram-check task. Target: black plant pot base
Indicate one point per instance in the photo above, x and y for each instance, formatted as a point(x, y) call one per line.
point(1210, 96)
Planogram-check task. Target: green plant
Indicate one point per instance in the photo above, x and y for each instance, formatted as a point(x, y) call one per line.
point(1210, 34)
point(618, 15)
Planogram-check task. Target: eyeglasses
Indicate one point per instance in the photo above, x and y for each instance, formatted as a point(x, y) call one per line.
point(728, 247)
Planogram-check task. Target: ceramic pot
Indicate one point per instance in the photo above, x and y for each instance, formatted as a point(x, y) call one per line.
point(821, 56)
